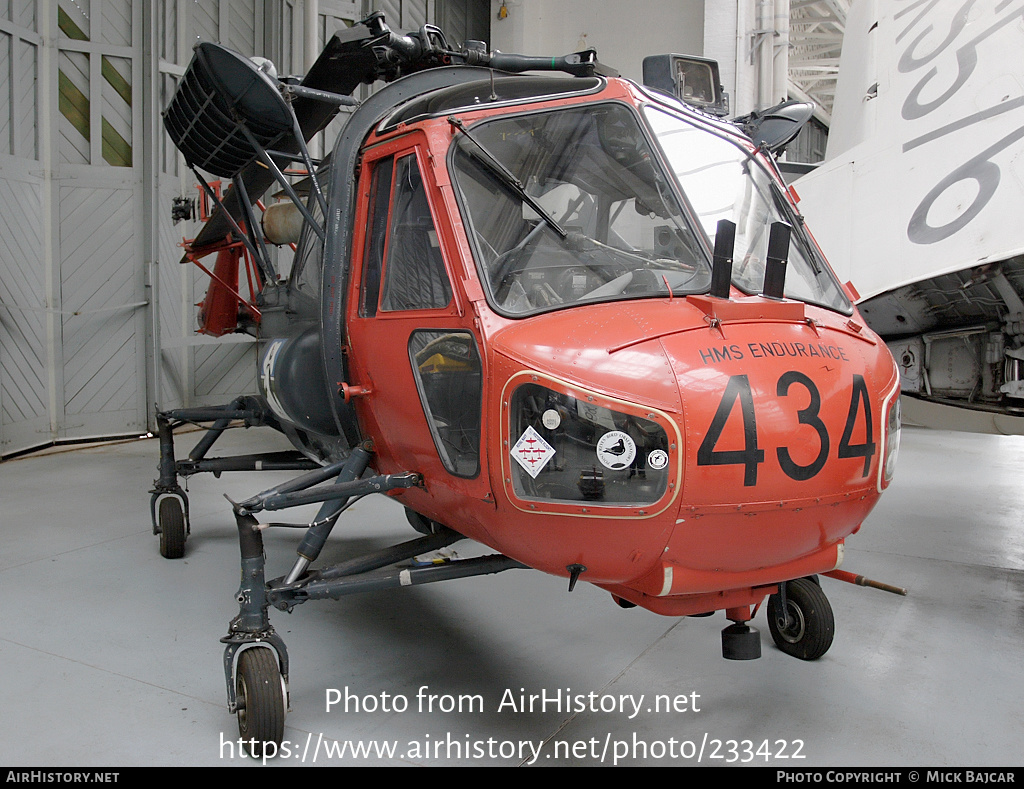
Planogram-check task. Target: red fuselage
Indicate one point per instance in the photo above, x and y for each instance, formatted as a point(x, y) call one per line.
point(689, 451)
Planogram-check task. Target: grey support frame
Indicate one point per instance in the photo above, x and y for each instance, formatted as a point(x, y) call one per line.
point(169, 501)
point(261, 711)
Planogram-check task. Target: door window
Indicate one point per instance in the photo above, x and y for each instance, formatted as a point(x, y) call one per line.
point(377, 226)
point(402, 246)
point(448, 375)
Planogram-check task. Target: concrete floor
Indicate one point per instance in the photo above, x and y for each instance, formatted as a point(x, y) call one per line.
point(110, 654)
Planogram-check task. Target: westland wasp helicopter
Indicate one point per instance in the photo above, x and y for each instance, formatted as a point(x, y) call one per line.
point(564, 315)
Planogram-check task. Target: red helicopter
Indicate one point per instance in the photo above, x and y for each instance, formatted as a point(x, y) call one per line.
point(567, 316)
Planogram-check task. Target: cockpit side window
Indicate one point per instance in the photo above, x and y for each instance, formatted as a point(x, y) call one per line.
point(306, 272)
point(377, 225)
point(449, 378)
point(414, 274)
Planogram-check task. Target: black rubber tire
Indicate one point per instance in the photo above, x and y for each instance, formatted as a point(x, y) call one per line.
point(259, 696)
point(171, 522)
point(812, 625)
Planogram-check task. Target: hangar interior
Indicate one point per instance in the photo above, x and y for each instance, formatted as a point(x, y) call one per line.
point(110, 650)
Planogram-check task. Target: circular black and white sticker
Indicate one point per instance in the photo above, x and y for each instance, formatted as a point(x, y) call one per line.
point(657, 459)
point(616, 450)
point(551, 419)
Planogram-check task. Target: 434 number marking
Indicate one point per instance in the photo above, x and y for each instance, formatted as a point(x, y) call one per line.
point(751, 456)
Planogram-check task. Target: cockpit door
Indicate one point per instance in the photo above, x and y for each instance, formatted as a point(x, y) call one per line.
point(412, 347)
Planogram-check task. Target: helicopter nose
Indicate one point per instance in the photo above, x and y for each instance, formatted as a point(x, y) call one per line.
point(786, 432)
point(759, 441)
point(789, 412)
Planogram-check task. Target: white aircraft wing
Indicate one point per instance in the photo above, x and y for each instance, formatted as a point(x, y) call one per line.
point(920, 202)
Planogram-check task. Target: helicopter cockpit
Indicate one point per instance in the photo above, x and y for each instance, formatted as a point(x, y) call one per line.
point(574, 205)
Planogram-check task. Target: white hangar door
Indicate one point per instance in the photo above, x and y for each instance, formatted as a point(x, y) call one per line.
point(72, 294)
point(97, 198)
point(97, 316)
point(24, 399)
point(192, 369)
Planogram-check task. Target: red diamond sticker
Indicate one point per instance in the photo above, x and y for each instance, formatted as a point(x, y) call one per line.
point(532, 452)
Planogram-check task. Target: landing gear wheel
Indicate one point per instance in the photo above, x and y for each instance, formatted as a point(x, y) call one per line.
point(811, 626)
point(171, 522)
point(259, 695)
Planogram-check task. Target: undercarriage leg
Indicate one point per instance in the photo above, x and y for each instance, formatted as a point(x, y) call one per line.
point(213, 433)
point(319, 530)
point(255, 657)
point(168, 504)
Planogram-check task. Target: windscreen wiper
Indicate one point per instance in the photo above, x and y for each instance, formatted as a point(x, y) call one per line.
point(508, 179)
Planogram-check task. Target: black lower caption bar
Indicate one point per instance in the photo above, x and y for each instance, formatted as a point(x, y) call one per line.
point(762, 774)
